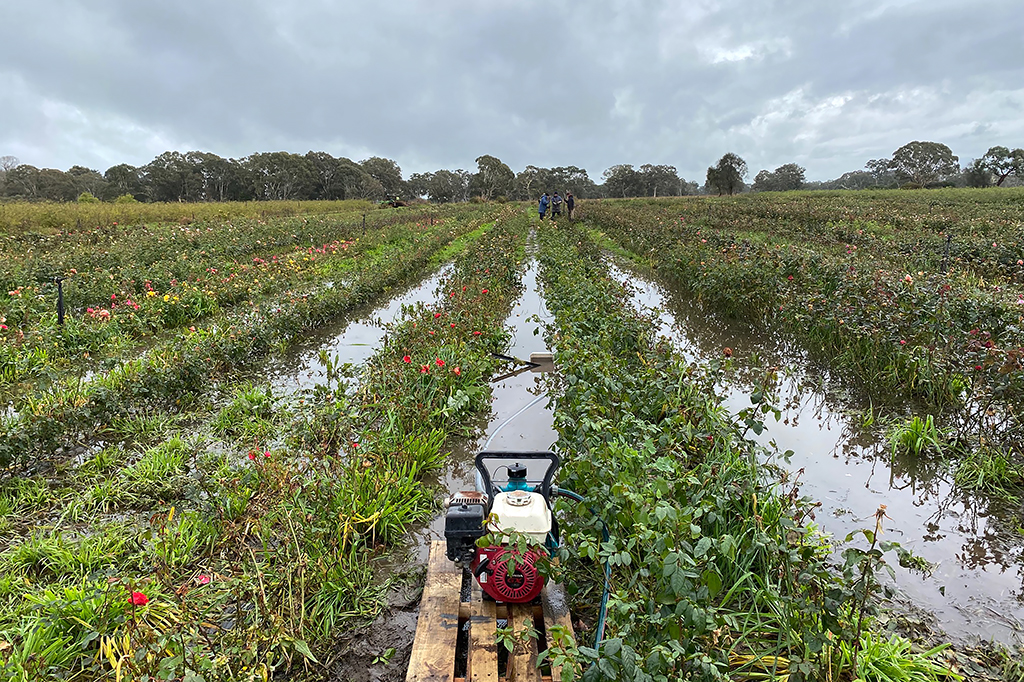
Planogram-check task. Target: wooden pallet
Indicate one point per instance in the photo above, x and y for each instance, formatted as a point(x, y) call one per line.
point(443, 615)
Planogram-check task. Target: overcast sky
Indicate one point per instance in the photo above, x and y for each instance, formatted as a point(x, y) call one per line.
point(435, 83)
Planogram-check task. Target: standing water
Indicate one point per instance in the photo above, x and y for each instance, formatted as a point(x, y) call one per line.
point(975, 591)
point(514, 423)
point(352, 340)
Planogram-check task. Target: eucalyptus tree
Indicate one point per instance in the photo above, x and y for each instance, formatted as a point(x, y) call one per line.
point(786, 177)
point(387, 173)
point(1002, 163)
point(492, 179)
point(726, 177)
point(924, 163)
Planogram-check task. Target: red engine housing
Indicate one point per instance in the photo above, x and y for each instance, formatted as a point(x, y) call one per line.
point(492, 570)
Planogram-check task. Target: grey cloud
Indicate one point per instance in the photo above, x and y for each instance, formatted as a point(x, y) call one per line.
point(435, 84)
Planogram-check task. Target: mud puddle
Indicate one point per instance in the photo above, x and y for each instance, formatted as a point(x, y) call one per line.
point(976, 591)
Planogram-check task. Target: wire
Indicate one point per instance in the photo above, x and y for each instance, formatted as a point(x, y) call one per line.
point(599, 637)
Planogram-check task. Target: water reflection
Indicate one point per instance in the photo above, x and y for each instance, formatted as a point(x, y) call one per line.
point(351, 340)
point(977, 588)
point(533, 429)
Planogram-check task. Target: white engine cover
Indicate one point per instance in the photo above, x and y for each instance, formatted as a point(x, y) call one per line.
point(521, 511)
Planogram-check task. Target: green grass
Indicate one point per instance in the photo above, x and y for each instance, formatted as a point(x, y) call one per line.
point(895, 660)
point(917, 436)
point(992, 471)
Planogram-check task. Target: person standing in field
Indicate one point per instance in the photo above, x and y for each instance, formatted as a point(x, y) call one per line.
point(543, 207)
point(570, 204)
point(556, 205)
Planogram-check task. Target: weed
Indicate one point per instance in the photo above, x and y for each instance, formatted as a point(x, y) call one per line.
point(917, 436)
point(990, 470)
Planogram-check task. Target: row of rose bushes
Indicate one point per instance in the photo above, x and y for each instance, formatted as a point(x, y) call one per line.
point(716, 569)
point(951, 337)
point(28, 219)
point(288, 532)
point(143, 280)
point(984, 229)
point(177, 371)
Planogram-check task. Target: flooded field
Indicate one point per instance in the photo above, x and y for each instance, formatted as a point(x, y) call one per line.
point(975, 591)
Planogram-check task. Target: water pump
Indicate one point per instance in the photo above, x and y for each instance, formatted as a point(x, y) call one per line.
point(521, 502)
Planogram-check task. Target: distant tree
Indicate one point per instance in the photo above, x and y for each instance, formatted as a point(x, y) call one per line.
point(387, 173)
point(418, 184)
point(977, 174)
point(7, 163)
point(351, 179)
point(569, 179)
point(659, 181)
point(882, 172)
point(123, 179)
point(22, 181)
point(623, 181)
point(688, 188)
point(371, 188)
point(924, 163)
point(787, 177)
point(326, 176)
point(492, 179)
point(279, 175)
point(173, 177)
point(219, 178)
point(446, 186)
point(1001, 163)
point(852, 180)
point(56, 185)
point(87, 180)
point(529, 182)
point(726, 177)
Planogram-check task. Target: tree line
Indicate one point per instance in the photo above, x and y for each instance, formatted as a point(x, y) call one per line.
point(202, 176)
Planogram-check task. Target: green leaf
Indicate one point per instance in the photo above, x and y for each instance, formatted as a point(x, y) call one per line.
point(713, 581)
point(303, 648)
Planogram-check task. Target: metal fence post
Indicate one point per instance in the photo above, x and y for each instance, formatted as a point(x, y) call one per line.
point(60, 300)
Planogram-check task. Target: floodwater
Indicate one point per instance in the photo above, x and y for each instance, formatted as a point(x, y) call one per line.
point(352, 339)
point(976, 591)
point(520, 419)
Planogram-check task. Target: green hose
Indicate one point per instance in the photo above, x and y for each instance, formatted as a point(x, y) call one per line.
point(565, 492)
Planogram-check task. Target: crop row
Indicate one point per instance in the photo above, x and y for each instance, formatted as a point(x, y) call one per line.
point(179, 370)
point(875, 306)
point(256, 547)
point(131, 282)
point(22, 218)
point(716, 569)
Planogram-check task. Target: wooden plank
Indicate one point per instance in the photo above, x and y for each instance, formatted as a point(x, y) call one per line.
point(483, 645)
point(433, 648)
point(556, 612)
point(523, 659)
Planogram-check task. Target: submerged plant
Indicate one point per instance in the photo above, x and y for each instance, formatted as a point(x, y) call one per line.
point(992, 470)
point(917, 436)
